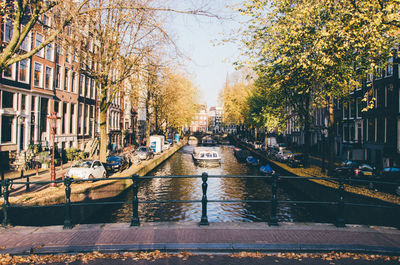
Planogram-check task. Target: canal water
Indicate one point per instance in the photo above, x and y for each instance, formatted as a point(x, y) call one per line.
point(181, 163)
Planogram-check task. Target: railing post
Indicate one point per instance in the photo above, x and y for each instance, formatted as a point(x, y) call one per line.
point(6, 203)
point(27, 188)
point(67, 221)
point(135, 201)
point(273, 219)
point(340, 204)
point(204, 218)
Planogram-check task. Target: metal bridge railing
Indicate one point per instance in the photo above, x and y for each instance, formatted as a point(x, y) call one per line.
point(340, 203)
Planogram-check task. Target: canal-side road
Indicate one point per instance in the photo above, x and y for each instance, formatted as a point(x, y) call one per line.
point(189, 237)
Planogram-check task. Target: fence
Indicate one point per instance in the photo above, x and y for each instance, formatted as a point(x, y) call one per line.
point(339, 203)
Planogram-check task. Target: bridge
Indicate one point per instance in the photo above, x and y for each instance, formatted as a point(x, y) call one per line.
point(203, 236)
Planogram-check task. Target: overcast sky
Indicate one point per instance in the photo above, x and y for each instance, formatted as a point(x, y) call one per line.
point(197, 38)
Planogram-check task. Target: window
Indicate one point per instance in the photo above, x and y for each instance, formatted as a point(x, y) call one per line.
point(370, 77)
point(46, 21)
point(80, 109)
point(358, 107)
point(6, 128)
point(23, 71)
point(58, 76)
point(378, 72)
point(48, 78)
point(389, 67)
point(386, 94)
point(359, 132)
point(345, 110)
point(85, 128)
point(50, 52)
point(66, 78)
point(38, 41)
point(26, 44)
point(9, 72)
point(23, 102)
point(81, 85)
point(8, 30)
point(37, 75)
point(71, 118)
point(44, 106)
point(87, 87)
point(64, 118)
point(73, 82)
point(345, 132)
point(385, 133)
point(7, 100)
point(371, 130)
point(375, 97)
point(56, 106)
point(352, 109)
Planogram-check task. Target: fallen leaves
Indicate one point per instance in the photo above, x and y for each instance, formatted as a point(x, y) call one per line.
point(332, 256)
point(155, 255)
point(85, 258)
point(314, 171)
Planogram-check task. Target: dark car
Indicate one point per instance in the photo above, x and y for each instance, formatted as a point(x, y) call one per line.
point(391, 175)
point(116, 163)
point(347, 169)
point(296, 160)
point(144, 152)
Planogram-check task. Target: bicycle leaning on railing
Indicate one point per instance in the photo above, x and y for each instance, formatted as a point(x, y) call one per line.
point(274, 180)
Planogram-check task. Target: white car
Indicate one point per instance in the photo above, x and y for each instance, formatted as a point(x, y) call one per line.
point(87, 169)
point(283, 155)
point(166, 146)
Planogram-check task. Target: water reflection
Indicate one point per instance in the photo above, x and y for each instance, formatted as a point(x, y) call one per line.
point(190, 189)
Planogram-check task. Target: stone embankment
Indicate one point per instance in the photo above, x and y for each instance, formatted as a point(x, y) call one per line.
point(86, 191)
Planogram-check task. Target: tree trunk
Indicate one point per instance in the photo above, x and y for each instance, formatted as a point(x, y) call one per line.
point(103, 135)
point(331, 136)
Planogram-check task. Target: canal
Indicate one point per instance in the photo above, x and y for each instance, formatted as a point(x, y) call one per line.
point(181, 163)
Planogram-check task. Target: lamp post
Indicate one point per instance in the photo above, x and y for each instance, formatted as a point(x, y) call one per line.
point(53, 125)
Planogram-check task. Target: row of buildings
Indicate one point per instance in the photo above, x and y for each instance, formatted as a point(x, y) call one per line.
point(207, 120)
point(362, 132)
point(52, 81)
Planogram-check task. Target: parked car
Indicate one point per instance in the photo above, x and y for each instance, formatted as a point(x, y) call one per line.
point(296, 160)
point(144, 152)
point(87, 169)
point(116, 163)
point(166, 146)
point(346, 169)
point(392, 176)
point(283, 156)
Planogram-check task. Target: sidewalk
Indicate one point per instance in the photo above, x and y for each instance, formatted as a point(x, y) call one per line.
point(216, 238)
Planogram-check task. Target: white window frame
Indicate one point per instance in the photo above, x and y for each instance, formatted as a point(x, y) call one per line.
point(51, 77)
point(12, 73)
point(40, 77)
point(389, 66)
point(6, 24)
point(58, 85)
point(82, 90)
point(67, 74)
point(27, 42)
point(358, 108)
point(50, 45)
point(28, 66)
point(41, 52)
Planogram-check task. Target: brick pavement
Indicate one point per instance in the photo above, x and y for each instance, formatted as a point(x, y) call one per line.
point(218, 237)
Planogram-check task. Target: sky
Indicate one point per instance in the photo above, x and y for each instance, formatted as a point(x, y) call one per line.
point(198, 38)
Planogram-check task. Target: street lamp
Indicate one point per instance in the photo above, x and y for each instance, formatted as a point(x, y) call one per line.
point(53, 125)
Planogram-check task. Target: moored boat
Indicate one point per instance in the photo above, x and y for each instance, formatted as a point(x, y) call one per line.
point(252, 161)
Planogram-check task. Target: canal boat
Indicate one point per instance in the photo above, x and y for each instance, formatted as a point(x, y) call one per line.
point(207, 141)
point(252, 161)
point(267, 170)
point(203, 156)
